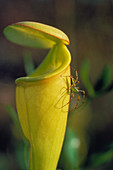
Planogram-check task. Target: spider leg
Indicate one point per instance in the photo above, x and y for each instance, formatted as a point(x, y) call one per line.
point(76, 73)
point(69, 88)
point(60, 98)
point(73, 90)
point(63, 94)
point(83, 92)
point(78, 99)
point(76, 82)
point(73, 79)
point(72, 95)
point(65, 89)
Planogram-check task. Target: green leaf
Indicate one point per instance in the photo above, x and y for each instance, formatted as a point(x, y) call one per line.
point(84, 74)
point(69, 155)
point(13, 115)
point(19, 155)
point(15, 119)
point(102, 158)
point(27, 153)
point(28, 63)
point(5, 162)
point(104, 79)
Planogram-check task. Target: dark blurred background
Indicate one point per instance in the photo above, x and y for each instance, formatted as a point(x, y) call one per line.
point(89, 26)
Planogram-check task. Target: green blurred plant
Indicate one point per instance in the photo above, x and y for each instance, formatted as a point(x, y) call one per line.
point(22, 150)
point(99, 159)
point(28, 63)
point(102, 86)
point(69, 156)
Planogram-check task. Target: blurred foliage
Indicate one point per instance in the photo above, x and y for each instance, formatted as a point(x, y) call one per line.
point(103, 85)
point(13, 115)
point(101, 158)
point(84, 73)
point(4, 162)
point(28, 63)
point(69, 155)
point(22, 148)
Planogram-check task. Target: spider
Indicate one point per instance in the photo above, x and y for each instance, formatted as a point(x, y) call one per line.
point(75, 90)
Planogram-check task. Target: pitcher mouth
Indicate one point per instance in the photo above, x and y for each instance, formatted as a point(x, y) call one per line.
point(57, 60)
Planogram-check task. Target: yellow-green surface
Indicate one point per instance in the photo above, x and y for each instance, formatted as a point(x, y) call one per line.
point(41, 96)
point(35, 35)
